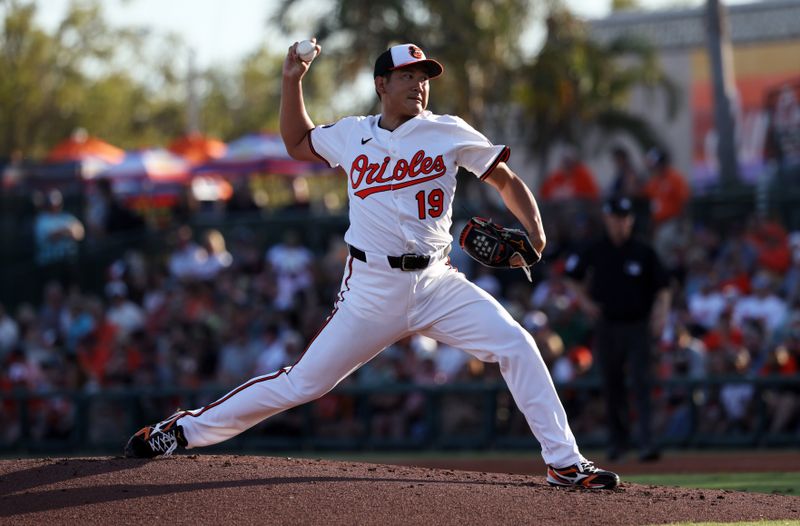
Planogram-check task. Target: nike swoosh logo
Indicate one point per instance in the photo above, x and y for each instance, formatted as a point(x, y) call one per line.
point(365, 141)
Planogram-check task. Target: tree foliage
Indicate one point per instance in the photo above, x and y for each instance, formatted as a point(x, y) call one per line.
point(124, 85)
point(577, 86)
point(243, 100)
point(127, 85)
point(574, 86)
point(625, 5)
point(476, 40)
point(51, 84)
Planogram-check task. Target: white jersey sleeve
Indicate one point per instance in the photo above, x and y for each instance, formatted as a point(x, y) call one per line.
point(328, 142)
point(475, 152)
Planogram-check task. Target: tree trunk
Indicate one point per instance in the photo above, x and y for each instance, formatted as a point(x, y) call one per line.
point(721, 60)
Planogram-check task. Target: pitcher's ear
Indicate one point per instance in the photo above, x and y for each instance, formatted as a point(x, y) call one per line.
point(380, 85)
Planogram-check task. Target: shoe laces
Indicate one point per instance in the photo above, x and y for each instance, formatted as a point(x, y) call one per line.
point(165, 442)
point(587, 466)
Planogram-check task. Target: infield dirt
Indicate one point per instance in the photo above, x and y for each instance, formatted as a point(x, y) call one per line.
point(208, 489)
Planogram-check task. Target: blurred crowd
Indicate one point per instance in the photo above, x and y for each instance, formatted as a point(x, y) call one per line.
point(212, 311)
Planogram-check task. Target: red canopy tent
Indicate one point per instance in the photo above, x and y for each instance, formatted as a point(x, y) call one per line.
point(197, 148)
point(72, 162)
point(256, 152)
point(81, 146)
point(258, 160)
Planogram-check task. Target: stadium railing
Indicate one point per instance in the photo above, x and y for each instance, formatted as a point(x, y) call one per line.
point(689, 414)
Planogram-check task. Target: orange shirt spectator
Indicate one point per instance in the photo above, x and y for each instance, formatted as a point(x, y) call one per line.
point(667, 188)
point(668, 193)
point(573, 180)
point(94, 351)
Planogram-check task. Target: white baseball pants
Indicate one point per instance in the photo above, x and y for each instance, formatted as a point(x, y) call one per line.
point(377, 306)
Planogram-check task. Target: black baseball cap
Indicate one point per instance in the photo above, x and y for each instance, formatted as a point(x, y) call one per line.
point(619, 206)
point(404, 55)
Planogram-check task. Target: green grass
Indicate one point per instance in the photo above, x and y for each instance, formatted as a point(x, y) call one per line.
point(782, 483)
point(746, 523)
point(773, 482)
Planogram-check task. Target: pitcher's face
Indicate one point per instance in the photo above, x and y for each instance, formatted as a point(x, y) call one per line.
point(404, 92)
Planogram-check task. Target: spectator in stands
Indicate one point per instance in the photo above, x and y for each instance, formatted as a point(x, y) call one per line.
point(771, 243)
point(57, 234)
point(668, 193)
point(736, 397)
point(53, 316)
point(94, 349)
point(683, 357)
point(666, 188)
point(124, 314)
point(242, 200)
point(189, 321)
point(626, 180)
point(687, 355)
point(80, 324)
point(583, 406)
point(12, 170)
point(550, 343)
point(107, 215)
point(763, 305)
point(783, 362)
point(706, 305)
point(291, 263)
point(559, 302)
point(573, 364)
point(449, 362)
point(217, 258)
point(571, 181)
point(272, 351)
point(486, 279)
point(735, 263)
point(246, 254)
point(237, 359)
point(567, 195)
point(188, 257)
point(9, 332)
point(725, 337)
point(790, 288)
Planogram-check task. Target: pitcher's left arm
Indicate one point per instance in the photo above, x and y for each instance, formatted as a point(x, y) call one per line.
point(520, 201)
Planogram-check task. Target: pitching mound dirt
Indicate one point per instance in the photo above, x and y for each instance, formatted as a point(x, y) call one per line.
point(200, 489)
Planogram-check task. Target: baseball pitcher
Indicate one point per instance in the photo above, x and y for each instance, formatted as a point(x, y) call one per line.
point(401, 170)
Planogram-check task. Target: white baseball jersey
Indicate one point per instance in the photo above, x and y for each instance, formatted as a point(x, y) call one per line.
point(401, 183)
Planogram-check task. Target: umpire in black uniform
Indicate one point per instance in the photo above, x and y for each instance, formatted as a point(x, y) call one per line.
point(622, 285)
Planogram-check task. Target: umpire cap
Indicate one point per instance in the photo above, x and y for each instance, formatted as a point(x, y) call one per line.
point(619, 206)
point(404, 55)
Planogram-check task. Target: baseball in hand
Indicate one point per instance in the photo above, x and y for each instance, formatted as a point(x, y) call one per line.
point(306, 50)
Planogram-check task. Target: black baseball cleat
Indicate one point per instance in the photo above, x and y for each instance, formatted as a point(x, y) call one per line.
point(583, 475)
point(159, 440)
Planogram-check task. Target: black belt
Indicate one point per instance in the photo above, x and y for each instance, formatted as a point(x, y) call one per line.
point(404, 262)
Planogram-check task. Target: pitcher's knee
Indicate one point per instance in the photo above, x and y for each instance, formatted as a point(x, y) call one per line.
point(517, 337)
point(516, 342)
point(308, 389)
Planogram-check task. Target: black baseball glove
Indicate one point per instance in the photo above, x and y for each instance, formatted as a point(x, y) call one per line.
point(495, 246)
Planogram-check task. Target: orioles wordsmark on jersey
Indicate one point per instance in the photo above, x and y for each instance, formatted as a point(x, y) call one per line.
point(401, 183)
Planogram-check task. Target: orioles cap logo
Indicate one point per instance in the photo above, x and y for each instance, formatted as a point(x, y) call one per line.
point(415, 52)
